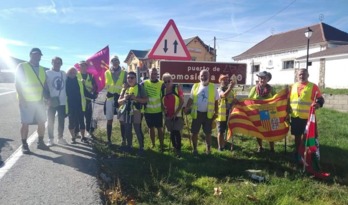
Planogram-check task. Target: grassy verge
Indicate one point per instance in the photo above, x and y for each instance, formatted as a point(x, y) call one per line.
point(221, 178)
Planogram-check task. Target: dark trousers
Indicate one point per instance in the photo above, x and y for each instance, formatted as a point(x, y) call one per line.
point(129, 135)
point(51, 114)
point(175, 137)
point(76, 121)
point(88, 118)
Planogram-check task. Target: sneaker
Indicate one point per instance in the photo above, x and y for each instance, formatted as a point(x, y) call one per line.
point(62, 141)
point(50, 143)
point(41, 145)
point(73, 140)
point(141, 152)
point(195, 153)
point(260, 149)
point(84, 139)
point(78, 135)
point(25, 148)
point(109, 143)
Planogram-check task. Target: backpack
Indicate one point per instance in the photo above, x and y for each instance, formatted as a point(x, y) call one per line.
point(174, 91)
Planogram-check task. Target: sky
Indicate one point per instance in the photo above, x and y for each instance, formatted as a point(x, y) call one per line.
point(76, 29)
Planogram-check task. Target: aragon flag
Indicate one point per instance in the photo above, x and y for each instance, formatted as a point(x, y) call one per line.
point(97, 65)
point(264, 119)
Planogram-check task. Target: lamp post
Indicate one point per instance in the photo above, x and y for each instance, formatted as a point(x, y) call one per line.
point(308, 34)
point(252, 72)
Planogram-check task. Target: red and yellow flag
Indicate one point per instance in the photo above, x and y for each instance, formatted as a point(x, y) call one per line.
point(264, 119)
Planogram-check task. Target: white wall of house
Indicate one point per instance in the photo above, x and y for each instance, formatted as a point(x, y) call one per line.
point(336, 72)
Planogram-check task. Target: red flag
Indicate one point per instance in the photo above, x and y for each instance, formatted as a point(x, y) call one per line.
point(97, 65)
point(309, 148)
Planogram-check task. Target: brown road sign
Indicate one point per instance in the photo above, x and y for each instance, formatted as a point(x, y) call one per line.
point(188, 71)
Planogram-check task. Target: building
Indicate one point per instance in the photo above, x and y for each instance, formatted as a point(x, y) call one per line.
point(282, 54)
point(138, 61)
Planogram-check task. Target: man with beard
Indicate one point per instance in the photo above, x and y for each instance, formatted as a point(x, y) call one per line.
point(203, 103)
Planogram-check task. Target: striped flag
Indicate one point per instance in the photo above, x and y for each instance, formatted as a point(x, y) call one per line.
point(264, 119)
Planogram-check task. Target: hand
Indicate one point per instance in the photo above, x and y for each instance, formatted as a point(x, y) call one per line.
point(316, 105)
point(125, 85)
point(109, 95)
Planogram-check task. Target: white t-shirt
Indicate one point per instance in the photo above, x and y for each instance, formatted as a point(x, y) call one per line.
point(56, 81)
point(202, 97)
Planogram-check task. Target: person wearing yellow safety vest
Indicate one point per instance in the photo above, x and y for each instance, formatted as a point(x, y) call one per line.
point(131, 101)
point(153, 109)
point(263, 91)
point(303, 95)
point(76, 94)
point(115, 78)
point(30, 86)
point(227, 98)
point(204, 101)
point(89, 82)
point(172, 102)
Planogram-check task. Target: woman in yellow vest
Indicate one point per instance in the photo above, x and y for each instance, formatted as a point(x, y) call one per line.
point(227, 98)
point(263, 91)
point(132, 99)
point(172, 102)
point(76, 94)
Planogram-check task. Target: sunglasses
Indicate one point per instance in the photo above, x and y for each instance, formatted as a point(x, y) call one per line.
point(167, 81)
point(130, 77)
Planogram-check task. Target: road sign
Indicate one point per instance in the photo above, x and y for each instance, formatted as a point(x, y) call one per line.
point(170, 45)
point(188, 71)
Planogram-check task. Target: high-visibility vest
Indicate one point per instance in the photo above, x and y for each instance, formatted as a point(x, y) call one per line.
point(176, 97)
point(83, 99)
point(153, 91)
point(301, 103)
point(135, 91)
point(211, 100)
point(32, 89)
point(88, 82)
point(222, 109)
point(111, 86)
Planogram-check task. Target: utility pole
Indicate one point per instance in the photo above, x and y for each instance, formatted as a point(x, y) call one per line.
point(214, 48)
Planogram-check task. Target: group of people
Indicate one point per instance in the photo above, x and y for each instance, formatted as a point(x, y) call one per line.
point(65, 94)
point(158, 100)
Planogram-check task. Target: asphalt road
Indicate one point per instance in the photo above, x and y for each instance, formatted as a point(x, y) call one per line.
point(62, 175)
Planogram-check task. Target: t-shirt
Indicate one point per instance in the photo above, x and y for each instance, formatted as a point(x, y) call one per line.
point(202, 97)
point(169, 101)
point(56, 81)
point(301, 86)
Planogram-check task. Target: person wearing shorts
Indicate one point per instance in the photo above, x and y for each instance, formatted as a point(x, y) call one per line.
point(153, 109)
point(203, 104)
point(30, 86)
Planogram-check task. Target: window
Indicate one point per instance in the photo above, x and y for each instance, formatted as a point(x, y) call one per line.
point(256, 69)
point(288, 64)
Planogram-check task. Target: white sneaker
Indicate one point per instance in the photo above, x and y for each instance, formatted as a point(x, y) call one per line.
point(62, 141)
point(50, 143)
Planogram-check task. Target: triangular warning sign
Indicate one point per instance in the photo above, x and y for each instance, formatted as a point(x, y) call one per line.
point(170, 45)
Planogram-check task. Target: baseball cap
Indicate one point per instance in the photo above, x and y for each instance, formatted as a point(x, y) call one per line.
point(83, 62)
point(35, 50)
point(115, 58)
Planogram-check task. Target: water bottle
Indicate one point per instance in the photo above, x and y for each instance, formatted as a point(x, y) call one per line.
point(257, 178)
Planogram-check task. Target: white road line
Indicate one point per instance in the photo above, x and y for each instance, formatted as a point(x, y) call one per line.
point(15, 156)
point(5, 93)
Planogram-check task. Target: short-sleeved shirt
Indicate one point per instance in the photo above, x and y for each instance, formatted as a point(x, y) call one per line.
point(202, 97)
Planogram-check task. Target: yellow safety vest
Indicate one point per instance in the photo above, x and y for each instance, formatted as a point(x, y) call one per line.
point(177, 100)
point(83, 99)
point(211, 100)
point(301, 105)
point(32, 89)
point(153, 91)
point(88, 82)
point(222, 109)
point(111, 86)
point(135, 91)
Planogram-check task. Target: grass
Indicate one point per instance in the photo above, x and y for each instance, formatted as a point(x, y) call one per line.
point(161, 178)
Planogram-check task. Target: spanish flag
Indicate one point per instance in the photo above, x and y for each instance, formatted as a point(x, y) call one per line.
point(264, 119)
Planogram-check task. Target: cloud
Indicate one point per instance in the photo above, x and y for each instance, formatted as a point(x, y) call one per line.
point(6, 41)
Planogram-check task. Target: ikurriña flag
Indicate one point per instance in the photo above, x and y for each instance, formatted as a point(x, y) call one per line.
point(264, 119)
point(97, 65)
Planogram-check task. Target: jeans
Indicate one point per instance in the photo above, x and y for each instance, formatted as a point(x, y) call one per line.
point(51, 112)
point(138, 132)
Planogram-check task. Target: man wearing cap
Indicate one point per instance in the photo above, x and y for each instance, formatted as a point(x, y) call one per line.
point(263, 91)
point(30, 85)
point(227, 98)
point(204, 102)
point(88, 81)
point(303, 95)
point(115, 79)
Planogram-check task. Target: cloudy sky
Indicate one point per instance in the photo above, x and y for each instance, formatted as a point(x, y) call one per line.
point(76, 29)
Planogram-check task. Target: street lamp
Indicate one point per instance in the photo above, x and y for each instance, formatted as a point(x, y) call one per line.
point(308, 34)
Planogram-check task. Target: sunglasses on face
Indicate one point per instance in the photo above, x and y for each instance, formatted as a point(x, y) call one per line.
point(167, 81)
point(130, 77)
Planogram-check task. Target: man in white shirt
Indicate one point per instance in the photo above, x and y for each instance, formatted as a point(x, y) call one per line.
point(56, 103)
point(203, 103)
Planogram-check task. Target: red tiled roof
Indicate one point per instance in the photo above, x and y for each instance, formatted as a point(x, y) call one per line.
point(295, 38)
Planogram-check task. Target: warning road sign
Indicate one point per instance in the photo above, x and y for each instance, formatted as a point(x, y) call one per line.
point(170, 45)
